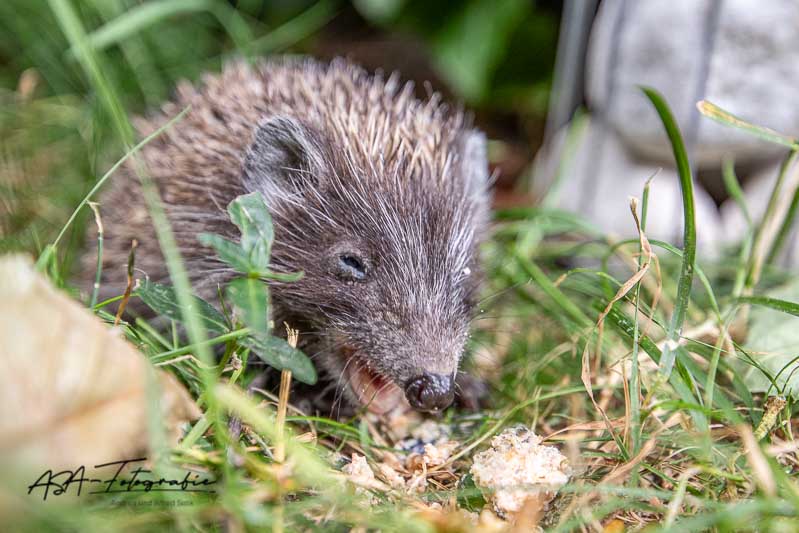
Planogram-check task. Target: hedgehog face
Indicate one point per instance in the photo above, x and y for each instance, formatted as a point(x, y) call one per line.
point(397, 297)
point(389, 261)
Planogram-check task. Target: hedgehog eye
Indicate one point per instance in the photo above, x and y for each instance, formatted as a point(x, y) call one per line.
point(351, 267)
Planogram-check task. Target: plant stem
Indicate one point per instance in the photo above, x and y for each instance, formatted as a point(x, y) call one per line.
point(129, 285)
point(282, 407)
point(283, 401)
point(635, 383)
point(98, 276)
point(210, 342)
point(776, 212)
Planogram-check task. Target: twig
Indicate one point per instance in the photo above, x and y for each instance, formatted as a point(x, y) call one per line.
point(282, 406)
point(283, 400)
point(129, 286)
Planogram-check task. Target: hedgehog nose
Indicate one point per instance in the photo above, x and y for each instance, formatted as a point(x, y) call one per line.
point(430, 392)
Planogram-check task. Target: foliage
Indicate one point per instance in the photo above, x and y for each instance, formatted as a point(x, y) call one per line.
point(248, 295)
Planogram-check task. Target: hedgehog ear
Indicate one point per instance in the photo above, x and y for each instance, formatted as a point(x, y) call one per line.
point(474, 160)
point(284, 154)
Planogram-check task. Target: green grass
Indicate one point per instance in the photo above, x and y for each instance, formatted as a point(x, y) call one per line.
point(668, 448)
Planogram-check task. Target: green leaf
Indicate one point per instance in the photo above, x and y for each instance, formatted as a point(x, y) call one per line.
point(232, 254)
point(228, 251)
point(251, 300)
point(773, 340)
point(250, 214)
point(279, 354)
point(163, 300)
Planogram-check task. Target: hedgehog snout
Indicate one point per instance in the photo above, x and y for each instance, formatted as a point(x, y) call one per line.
point(430, 392)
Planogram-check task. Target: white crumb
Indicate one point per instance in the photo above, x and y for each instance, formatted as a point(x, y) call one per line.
point(438, 453)
point(359, 473)
point(517, 467)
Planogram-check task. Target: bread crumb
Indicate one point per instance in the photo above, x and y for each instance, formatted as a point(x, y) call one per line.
point(438, 453)
point(359, 473)
point(516, 468)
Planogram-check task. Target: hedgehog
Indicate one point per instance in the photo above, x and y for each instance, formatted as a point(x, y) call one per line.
point(379, 198)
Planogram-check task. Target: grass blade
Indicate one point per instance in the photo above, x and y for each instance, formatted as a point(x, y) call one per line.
point(777, 212)
point(733, 187)
point(689, 235)
point(76, 35)
point(296, 29)
point(714, 112)
point(783, 306)
point(99, 264)
point(113, 169)
point(574, 136)
point(624, 326)
point(541, 279)
point(137, 19)
point(785, 229)
point(73, 28)
point(146, 15)
point(635, 383)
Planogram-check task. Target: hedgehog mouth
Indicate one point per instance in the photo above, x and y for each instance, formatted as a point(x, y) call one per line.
point(377, 392)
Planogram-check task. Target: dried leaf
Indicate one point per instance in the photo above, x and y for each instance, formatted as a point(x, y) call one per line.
point(72, 392)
